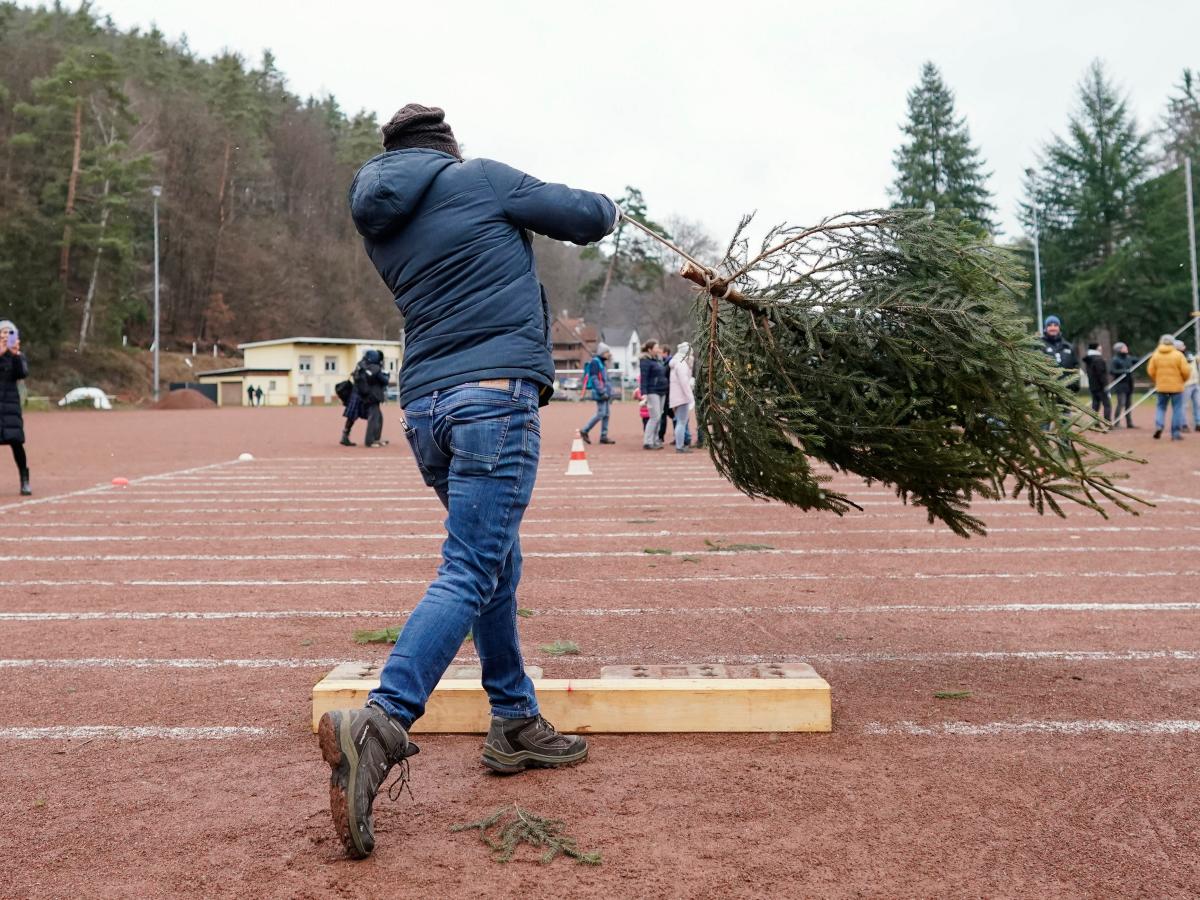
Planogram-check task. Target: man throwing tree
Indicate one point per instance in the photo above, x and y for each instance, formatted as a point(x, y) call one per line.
point(450, 238)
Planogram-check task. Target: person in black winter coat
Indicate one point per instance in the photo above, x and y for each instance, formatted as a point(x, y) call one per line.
point(1097, 373)
point(1061, 351)
point(370, 391)
point(13, 367)
point(1121, 368)
point(654, 384)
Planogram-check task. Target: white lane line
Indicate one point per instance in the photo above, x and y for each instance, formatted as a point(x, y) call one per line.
point(206, 663)
point(65, 498)
point(194, 663)
point(560, 535)
point(590, 554)
point(133, 732)
point(881, 729)
point(606, 579)
point(995, 729)
point(614, 612)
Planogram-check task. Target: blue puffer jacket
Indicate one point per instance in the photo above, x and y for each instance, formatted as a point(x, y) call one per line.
point(449, 239)
point(653, 375)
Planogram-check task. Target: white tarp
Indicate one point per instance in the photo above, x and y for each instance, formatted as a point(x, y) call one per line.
point(98, 397)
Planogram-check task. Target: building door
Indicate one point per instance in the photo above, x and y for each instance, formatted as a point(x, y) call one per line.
point(304, 394)
point(231, 393)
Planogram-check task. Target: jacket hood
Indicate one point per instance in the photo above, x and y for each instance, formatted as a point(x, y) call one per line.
point(389, 187)
point(1163, 349)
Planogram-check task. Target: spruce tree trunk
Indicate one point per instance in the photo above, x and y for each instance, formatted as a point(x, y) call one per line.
point(85, 325)
point(65, 259)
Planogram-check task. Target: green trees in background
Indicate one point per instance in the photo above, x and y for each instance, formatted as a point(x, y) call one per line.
point(936, 167)
point(256, 239)
point(1113, 232)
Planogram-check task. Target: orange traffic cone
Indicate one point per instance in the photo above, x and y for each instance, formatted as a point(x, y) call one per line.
point(578, 464)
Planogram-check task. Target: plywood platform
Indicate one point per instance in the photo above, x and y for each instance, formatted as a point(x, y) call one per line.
point(624, 699)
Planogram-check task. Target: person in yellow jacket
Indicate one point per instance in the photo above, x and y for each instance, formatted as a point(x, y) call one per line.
point(1169, 370)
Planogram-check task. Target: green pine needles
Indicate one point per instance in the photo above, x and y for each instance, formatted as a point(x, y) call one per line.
point(887, 344)
point(509, 826)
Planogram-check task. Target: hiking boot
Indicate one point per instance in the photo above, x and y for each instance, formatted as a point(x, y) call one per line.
point(605, 440)
point(26, 490)
point(361, 746)
point(346, 442)
point(512, 745)
point(1157, 433)
point(583, 435)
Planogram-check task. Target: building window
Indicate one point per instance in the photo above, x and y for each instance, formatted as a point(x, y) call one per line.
point(391, 365)
point(270, 385)
point(306, 364)
point(331, 364)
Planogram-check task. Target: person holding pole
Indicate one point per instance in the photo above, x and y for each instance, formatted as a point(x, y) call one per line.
point(1121, 368)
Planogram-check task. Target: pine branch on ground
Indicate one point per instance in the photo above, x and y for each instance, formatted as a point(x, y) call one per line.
point(887, 344)
point(509, 826)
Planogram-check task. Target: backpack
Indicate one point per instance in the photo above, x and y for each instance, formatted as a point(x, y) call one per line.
point(344, 389)
point(362, 380)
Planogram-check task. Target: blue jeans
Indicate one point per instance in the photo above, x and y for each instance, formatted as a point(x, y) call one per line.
point(681, 425)
point(1176, 412)
point(601, 416)
point(478, 448)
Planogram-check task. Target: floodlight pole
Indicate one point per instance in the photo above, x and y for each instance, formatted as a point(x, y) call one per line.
point(1187, 174)
point(157, 192)
point(1037, 258)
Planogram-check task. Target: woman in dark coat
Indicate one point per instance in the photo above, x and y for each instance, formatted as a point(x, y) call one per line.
point(13, 367)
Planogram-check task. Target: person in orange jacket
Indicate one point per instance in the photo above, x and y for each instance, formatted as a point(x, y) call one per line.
point(1169, 370)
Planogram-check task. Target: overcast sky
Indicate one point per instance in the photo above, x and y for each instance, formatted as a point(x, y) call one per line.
point(713, 110)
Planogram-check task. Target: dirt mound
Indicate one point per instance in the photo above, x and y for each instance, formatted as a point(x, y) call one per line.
point(185, 398)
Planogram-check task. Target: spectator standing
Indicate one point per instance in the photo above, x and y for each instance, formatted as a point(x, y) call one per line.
point(1060, 350)
point(13, 368)
point(370, 385)
point(681, 396)
point(249, 395)
point(664, 353)
point(1121, 368)
point(1191, 389)
point(1169, 371)
point(1097, 374)
point(654, 390)
point(596, 385)
point(258, 395)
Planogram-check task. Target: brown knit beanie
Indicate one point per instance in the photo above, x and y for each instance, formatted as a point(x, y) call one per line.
point(420, 126)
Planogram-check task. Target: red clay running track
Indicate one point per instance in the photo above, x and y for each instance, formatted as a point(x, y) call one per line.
point(158, 645)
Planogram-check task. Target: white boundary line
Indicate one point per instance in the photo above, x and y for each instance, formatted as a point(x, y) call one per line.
point(1070, 728)
point(615, 613)
point(133, 732)
point(591, 554)
point(560, 535)
point(207, 663)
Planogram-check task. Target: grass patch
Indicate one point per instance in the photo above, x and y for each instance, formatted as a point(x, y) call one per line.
point(385, 636)
point(657, 551)
point(523, 612)
point(951, 695)
point(561, 648)
point(691, 559)
point(377, 635)
point(735, 548)
point(509, 826)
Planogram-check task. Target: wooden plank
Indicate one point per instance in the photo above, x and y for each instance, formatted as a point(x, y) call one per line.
point(612, 705)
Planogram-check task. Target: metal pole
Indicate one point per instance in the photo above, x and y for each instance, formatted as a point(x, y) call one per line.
point(1037, 257)
point(1187, 174)
point(157, 192)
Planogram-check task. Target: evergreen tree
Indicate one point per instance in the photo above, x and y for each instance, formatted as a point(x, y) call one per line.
point(1181, 130)
point(1090, 218)
point(630, 258)
point(937, 169)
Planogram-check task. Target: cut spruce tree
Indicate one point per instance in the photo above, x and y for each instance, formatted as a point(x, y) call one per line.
point(886, 344)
